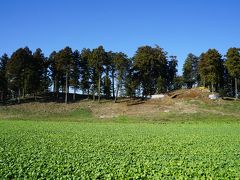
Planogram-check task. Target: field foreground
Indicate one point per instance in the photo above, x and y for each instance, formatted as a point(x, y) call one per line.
point(119, 150)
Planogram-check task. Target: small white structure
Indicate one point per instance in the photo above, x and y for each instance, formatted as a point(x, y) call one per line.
point(157, 96)
point(213, 96)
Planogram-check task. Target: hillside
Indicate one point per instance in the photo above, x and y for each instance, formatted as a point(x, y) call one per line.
point(183, 104)
point(184, 135)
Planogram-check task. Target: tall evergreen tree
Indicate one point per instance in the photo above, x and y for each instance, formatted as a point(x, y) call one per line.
point(3, 79)
point(20, 72)
point(132, 79)
point(211, 68)
point(85, 68)
point(110, 56)
point(120, 61)
point(172, 72)
point(151, 65)
point(190, 70)
point(233, 66)
point(75, 72)
point(54, 73)
point(39, 79)
point(46, 80)
point(64, 65)
point(97, 61)
point(107, 71)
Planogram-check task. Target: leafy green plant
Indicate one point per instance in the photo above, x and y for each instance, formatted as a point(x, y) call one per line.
point(40, 150)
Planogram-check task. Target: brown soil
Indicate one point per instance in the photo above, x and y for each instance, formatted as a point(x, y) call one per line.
point(184, 101)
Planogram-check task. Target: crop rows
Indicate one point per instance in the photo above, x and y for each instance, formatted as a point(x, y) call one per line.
point(39, 150)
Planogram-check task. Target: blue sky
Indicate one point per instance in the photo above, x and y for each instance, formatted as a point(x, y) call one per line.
point(180, 27)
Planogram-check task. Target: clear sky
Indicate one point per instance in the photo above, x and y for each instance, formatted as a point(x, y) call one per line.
point(178, 26)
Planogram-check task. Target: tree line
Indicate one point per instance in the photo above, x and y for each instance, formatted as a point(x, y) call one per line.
point(211, 69)
point(99, 73)
point(95, 72)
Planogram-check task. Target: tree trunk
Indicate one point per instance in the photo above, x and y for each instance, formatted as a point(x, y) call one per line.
point(23, 90)
point(55, 85)
point(113, 88)
point(55, 88)
point(116, 93)
point(19, 94)
point(93, 94)
point(99, 88)
point(57, 92)
point(66, 90)
point(236, 88)
point(212, 88)
point(74, 94)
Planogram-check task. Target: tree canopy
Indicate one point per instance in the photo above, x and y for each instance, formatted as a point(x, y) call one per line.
point(190, 70)
point(110, 74)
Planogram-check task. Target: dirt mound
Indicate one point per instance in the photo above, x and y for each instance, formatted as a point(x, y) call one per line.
point(195, 93)
point(138, 107)
point(184, 101)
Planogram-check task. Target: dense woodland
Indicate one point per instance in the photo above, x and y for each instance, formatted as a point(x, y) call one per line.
point(102, 74)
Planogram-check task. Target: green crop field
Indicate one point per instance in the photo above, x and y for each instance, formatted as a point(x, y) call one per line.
point(73, 150)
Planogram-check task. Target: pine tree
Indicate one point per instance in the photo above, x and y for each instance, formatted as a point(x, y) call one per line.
point(132, 79)
point(39, 72)
point(75, 72)
point(233, 66)
point(20, 72)
point(3, 79)
point(211, 68)
point(85, 68)
point(64, 65)
point(54, 73)
point(97, 61)
point(106, 79)
point(190, 70)
point(151, 65)
point(172, 72)
point(110, 56)
point(120, 61)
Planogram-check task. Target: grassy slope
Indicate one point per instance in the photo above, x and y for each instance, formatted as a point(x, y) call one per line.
point(175, 143)
point(186, 111)
point(104, 150)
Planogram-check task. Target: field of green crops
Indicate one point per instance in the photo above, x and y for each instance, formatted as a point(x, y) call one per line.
point(71, 150)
